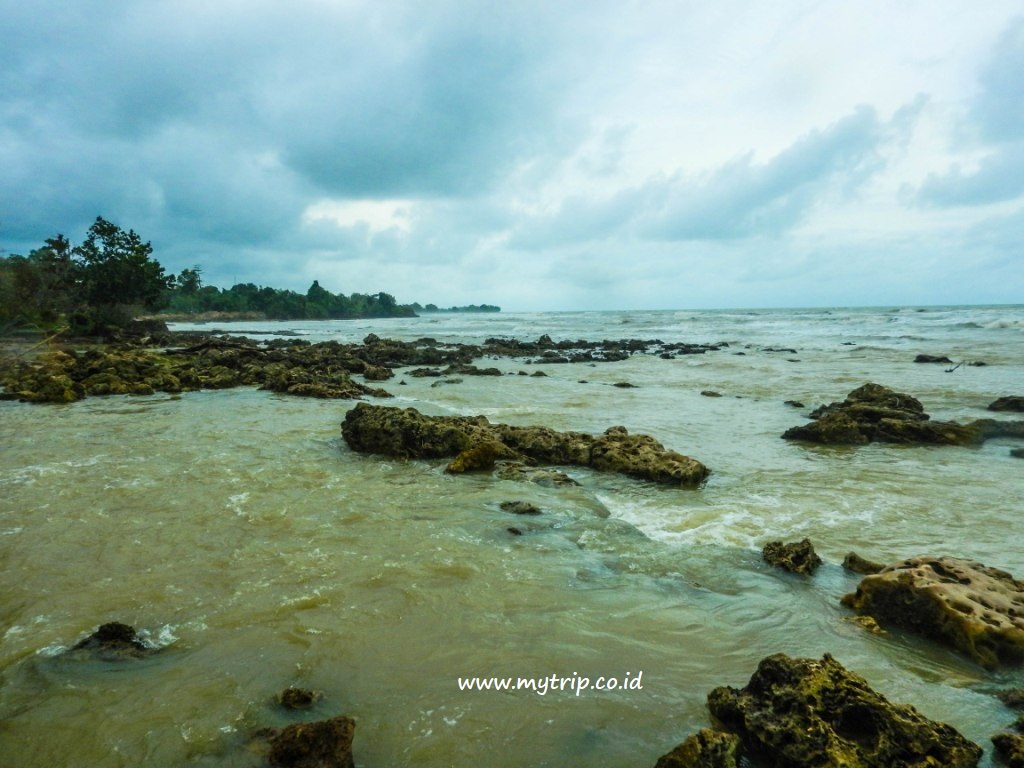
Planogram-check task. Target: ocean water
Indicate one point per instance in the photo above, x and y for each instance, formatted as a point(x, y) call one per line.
point(237, 531)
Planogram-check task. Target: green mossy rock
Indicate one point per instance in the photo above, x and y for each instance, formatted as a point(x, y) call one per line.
point(804, 713)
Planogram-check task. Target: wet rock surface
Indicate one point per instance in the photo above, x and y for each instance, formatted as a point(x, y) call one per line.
point(150, 359)
point(874, 413)
point(963, 604)
point(298, 698)
point(707, 748)
point(857, 564)
point(1009, 747)
point(322, 744)
point(408, 434)
point(804, 713)
point(795, 557)
point(112, 642)
point(1013, 403)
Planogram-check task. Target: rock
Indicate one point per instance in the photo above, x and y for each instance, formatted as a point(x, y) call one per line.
point(932, 359)
point(968, 606)
point(804, 713)
point(1010, 748)
point(298, 698)
point(1014, 403)
point(644, 457)
point(1017, 453)
point(794, 404)
point(857, 564)
point(873, 413)
point(710, 393)
point(624, 385)
point(707, 748)
point(514, 531)
point(480, 457)
point(1013, 698)
point(377, 373)
point(408, 434)
point(520, 508)
point(113, 642)
point(550, 478)
point(323, 744)
point(796, 557)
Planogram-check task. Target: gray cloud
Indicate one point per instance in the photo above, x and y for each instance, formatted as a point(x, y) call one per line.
point(995, 125)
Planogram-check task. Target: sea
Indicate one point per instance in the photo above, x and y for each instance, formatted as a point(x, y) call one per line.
point(243, 539)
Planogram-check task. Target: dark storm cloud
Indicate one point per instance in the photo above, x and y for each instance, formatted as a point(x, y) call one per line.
point(227, 119)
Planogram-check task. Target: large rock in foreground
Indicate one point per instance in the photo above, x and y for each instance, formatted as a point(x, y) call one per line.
point(804, 713)
point(971, 607)
point(408, 434)
point(873, 413)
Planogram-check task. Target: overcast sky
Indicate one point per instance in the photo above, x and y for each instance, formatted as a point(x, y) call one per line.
point(538, 155)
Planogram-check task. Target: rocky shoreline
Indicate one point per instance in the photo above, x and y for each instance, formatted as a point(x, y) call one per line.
point(793, 712)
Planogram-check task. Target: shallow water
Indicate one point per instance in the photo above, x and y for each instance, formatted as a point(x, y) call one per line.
point(239, 532)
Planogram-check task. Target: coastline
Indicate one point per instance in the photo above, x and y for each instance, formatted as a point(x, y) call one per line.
point(612, 565)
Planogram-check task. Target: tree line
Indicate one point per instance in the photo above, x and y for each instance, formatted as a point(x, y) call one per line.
point(111, 277)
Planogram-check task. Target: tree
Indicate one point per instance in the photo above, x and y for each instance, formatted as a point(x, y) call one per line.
point(117, 268)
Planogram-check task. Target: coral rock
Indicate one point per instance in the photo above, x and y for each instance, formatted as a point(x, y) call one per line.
point(323, 744)
point(804, 713)
point(705, 749)
point(796, 557)
point(971, 607)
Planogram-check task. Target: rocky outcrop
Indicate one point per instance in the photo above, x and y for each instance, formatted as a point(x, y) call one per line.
point(1012, 403)
point(476, 443)
point(795, 557)
point(112, 642)
point(707, 748)
point(804, 713)
point(873, 413)
point(1010, 748)
point(968, 606)
point(323, 744)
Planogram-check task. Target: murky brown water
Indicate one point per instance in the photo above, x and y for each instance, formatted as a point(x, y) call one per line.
point(239, 532)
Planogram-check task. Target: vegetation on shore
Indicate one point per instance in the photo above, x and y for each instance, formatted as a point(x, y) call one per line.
point(98, 286)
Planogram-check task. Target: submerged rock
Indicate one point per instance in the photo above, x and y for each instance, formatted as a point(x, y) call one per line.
point(968, 606)
point(804, 713)
point(1010, 748)
point(113, 642)
point(857, 564)
point(1013, 403)
point(323, 744)
point(707, 748)
point(795, 557)
point(298, 698)
point(408, 434)
point(873, 413)
point(520, 508)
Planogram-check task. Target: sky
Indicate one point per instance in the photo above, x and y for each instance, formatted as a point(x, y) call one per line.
point(550, 155)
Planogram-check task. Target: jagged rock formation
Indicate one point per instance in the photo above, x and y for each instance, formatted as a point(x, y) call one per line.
point(476, 444)
point(971, 607)
point(873, 413)
point(795, 557)
point(804, 713)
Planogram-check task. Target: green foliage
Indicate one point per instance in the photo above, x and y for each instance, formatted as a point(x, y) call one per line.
point(101, 283)
point(111, 277)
